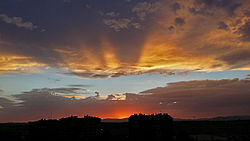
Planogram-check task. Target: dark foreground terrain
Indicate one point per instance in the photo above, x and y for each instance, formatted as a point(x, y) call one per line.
point(235, 130)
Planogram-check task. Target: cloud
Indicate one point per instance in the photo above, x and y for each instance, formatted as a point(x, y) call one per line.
point(114, 21)
point(247, 13)
point(212, 7)
point(118, 24)
point(179, 21)
point(18, 21)
point(175, 7)
point(110, 97)
point(88, 74)
point(65, 92)
point(229, 5)
point(200, 98)
point(244, 30)
point(5, 103)
point(94, 75)
point(237, 59)
point(204, 97)
point(159, 35)
point(68, 91)
point(142, 9)
point(170, 28)
point(42, 103)
point(18, 64)
point(113, 14)
point(247, 77)
point(122, 73)
point(201, 11)
point(222, 25)
point(79, 85)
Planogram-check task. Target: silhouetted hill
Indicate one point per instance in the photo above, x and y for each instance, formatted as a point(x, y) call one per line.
point(220, 118)
point(230, 118)
point(138, 127)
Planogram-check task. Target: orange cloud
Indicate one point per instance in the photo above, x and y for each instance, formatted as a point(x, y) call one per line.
point(18, 64)
point(194, 45)
point(185, 35)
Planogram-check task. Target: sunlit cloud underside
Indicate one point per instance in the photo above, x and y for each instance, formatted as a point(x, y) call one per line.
point(173, 36)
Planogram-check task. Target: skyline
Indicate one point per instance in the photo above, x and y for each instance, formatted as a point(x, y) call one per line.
point(114, 58)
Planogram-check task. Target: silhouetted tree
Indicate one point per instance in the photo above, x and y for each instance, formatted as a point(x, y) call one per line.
point(155, 127)
point(66, 129)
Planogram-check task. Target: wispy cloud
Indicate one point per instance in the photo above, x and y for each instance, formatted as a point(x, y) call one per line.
point(79, 85)
point(118, 24)
point(62, 91)
point(113, 14)
point(18, 21)
point(18, 64)
point(122, 73)
point(142, 9)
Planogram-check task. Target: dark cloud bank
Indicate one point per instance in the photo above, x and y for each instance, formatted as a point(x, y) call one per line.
point(201, 98)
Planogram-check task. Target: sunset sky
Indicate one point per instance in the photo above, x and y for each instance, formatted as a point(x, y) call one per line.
point(113, 58)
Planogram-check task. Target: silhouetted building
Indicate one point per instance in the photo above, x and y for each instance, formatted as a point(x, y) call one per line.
point(66, 129)
point(156, 127)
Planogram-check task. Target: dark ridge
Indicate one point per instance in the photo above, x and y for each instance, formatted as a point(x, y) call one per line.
point(139, 127)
